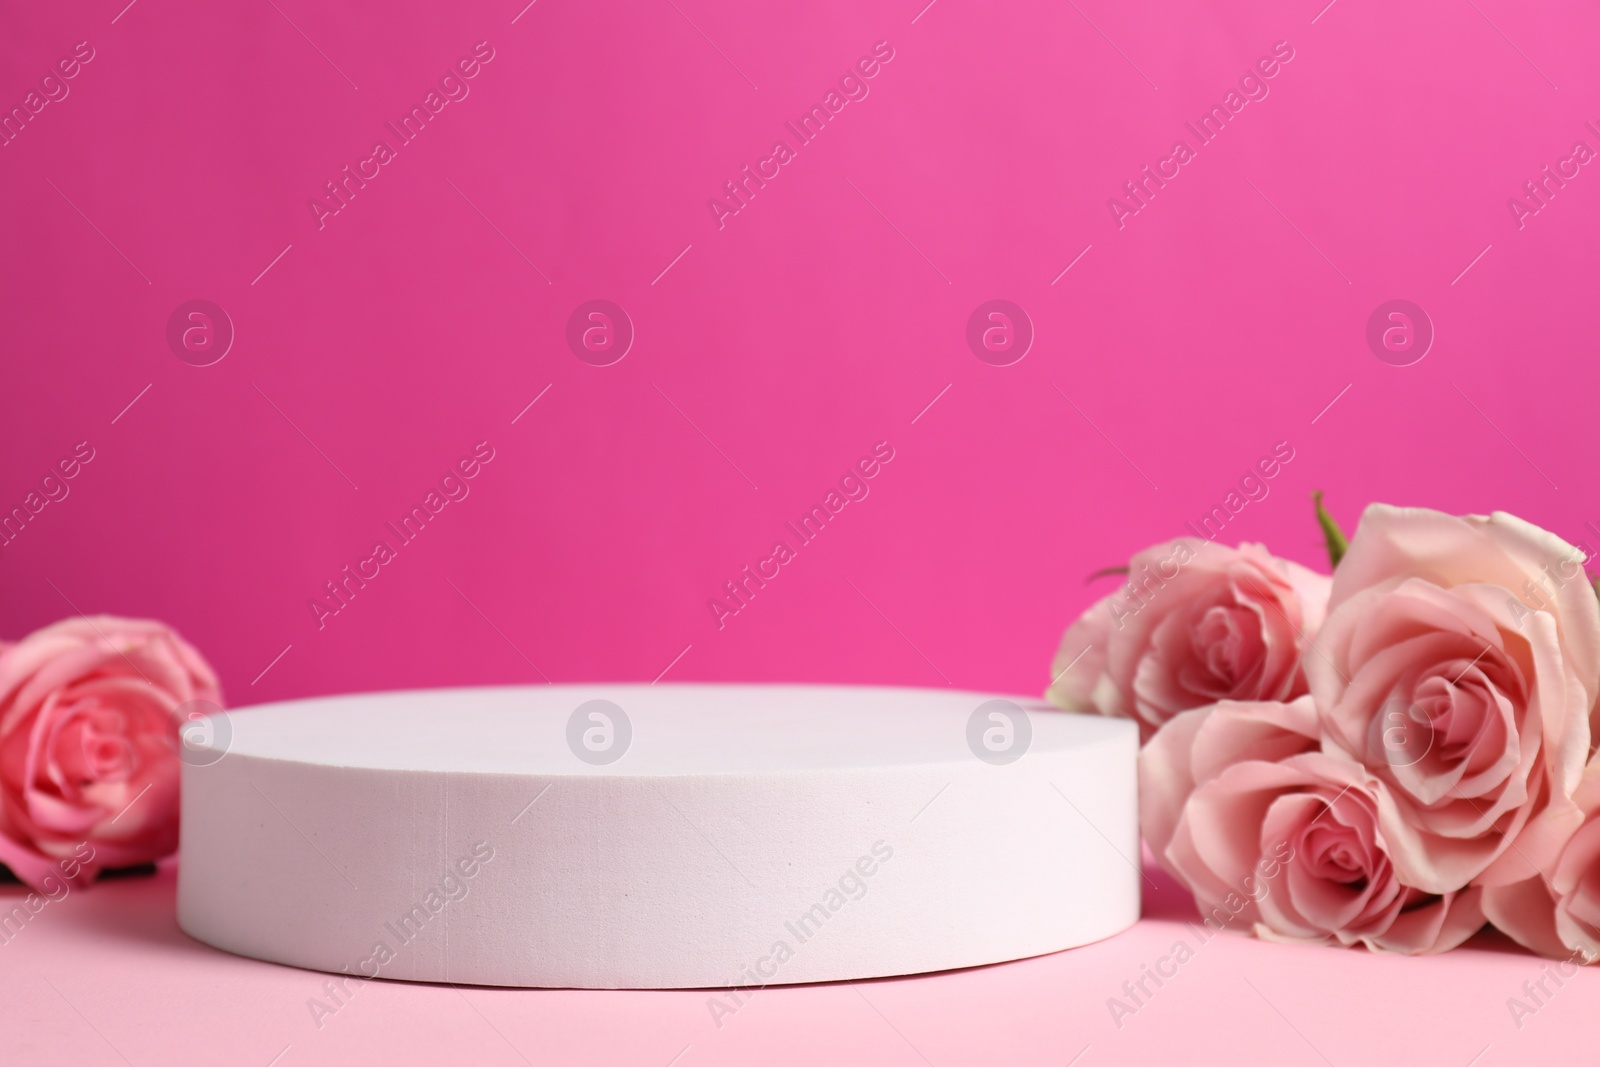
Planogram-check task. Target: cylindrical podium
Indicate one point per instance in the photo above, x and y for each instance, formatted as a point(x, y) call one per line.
point(632, 836)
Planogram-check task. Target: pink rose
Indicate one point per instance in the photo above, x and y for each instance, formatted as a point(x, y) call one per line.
point(1200, 744)
point(1196, 623)
point(89, 745)
point(1464, 694)
point(1576, 882)
point(1557, 914)
point(1301, 850)
point(1526, 911)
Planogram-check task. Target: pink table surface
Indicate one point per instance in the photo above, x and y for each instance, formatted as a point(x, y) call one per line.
point(106, 977)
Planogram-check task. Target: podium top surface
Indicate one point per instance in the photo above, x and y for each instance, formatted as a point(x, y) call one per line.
point(653, 730)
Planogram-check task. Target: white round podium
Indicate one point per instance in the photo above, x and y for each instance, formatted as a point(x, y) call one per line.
point(672, 836)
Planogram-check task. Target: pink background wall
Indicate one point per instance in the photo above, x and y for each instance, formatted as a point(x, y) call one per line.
point(822, 318)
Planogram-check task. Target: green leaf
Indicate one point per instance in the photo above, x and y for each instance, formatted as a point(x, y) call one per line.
point(1338, 543)
point(1105, 572)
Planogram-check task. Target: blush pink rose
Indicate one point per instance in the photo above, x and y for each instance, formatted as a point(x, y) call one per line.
point(89, 745)
point(1301, 850)
point(1466, 696)
point(1199, 744)
point(1557, 913)
point(1195, 623)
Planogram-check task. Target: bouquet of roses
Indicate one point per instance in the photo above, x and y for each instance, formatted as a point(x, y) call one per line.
point(1391, 756)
